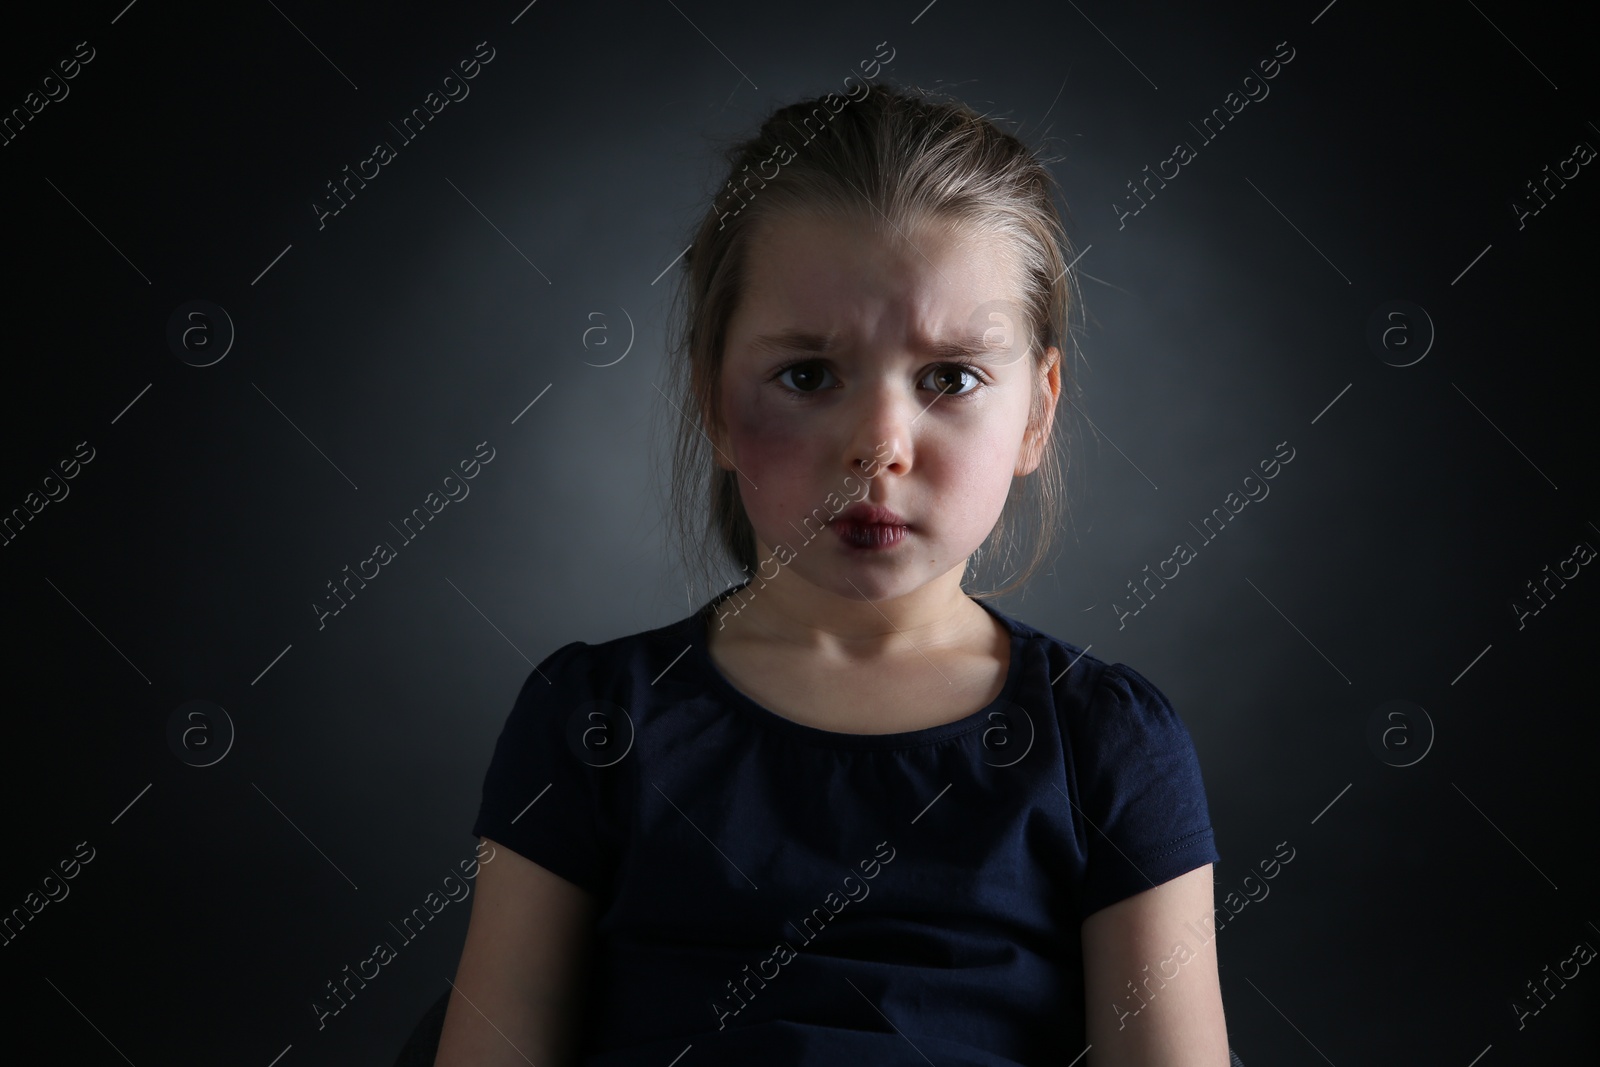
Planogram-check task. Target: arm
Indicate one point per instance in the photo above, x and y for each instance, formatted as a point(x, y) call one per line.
point(1179, 1021)
point(517, 993)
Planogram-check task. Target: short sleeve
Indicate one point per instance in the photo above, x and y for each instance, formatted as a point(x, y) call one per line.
point(541, 798)
point(1141, 791)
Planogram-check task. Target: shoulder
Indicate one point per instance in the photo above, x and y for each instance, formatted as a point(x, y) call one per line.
point(1109, 712)
point(622, 670)
point(1120, 711)
point(1083, 684)
point(1065, 664)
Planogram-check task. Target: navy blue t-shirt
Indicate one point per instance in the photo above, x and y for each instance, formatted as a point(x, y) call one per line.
point(778, 894)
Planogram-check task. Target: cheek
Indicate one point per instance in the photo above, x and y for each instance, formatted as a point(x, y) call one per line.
point(766, 437)
point(775, 450)
point(980, 463)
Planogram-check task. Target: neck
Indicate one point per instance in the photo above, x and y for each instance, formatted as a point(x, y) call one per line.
point(849, 619)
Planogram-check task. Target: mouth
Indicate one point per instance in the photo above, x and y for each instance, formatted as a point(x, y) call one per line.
point(869, 515)
point(869, 535)
point(867, 526)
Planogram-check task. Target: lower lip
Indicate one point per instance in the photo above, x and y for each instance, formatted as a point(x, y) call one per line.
point(869, 537)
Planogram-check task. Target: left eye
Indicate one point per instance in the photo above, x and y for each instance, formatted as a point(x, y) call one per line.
point(952, 373)
point(800, 371)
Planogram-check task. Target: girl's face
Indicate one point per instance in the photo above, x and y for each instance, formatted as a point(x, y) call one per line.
point(840, 384)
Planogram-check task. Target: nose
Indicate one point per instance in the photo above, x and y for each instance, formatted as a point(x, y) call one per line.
point(880, 439)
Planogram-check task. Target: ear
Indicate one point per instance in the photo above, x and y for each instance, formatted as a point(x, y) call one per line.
point(1039, 432)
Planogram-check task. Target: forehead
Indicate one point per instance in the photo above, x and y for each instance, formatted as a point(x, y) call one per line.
point(846, 276)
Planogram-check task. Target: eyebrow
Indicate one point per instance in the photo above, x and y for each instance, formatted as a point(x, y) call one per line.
point(792, 340)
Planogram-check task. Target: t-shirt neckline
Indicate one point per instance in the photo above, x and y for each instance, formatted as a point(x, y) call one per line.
point(927, 735)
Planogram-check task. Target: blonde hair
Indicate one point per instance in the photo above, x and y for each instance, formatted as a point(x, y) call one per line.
point(915, 159)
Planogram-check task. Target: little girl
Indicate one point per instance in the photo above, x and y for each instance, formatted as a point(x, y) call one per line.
point(845, 812)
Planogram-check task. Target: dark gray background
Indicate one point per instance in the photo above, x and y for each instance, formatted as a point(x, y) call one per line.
point(186, 556)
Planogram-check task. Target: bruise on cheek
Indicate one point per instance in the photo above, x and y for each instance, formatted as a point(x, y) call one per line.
point(765, 431)
point(778, 451)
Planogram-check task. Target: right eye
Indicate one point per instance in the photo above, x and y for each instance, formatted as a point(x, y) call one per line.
point(808, 375)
